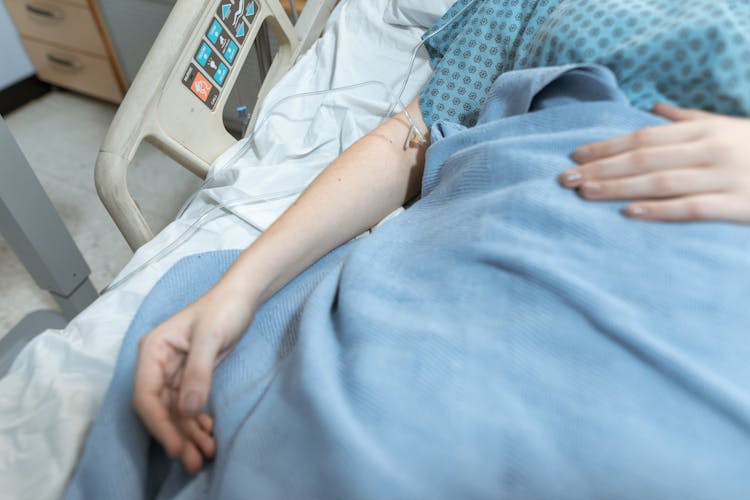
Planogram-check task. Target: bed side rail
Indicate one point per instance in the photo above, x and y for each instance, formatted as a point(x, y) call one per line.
point(308, 28)
point(177, 99)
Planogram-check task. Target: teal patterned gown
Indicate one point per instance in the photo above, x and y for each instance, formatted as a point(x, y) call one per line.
point(693, 53)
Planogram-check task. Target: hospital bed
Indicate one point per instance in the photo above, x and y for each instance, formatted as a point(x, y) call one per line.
point(53, 390)
point(188, 125)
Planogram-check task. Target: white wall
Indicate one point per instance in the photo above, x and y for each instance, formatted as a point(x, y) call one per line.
point(14, 64)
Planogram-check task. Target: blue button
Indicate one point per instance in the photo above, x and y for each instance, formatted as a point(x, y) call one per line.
point(215, 31)
point(241, 31)
point(221, 74)
point(203, 54)
point(250, 9)
point(231, 52)
point(225, 10)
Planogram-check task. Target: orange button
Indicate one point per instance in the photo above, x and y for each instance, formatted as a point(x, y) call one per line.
point(201, 87)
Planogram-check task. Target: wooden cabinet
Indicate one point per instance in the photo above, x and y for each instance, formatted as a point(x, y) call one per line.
point(287, 4)
point(68, 45)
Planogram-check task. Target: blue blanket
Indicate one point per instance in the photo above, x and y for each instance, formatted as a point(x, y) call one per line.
point(500, 339)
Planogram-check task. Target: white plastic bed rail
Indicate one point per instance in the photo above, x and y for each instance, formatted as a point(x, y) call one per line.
point(164, 111)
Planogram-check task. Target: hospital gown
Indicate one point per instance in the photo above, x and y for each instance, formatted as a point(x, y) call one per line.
point(693, 53)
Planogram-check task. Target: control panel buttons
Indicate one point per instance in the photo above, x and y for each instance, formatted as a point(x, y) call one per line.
point(218, 51)
point(200, 86)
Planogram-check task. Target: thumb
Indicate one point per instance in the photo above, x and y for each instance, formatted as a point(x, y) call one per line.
point(677, 114)
point(196, 378)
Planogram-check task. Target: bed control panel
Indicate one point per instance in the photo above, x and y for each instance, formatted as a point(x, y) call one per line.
point(218, 50)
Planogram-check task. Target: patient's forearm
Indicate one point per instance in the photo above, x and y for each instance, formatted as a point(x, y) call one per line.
point(369, 180)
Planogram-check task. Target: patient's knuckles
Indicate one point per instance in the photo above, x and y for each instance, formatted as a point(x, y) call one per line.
point(202, 440)
point(605, 169)
point(644, 137)
point(695, 209)
point(150, 343)
point(639, 160)
point(716, 148)
point(663, 184)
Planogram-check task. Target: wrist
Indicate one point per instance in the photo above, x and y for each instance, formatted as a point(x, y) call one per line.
point(246, 281)
point(224, 313)
point(229, 290)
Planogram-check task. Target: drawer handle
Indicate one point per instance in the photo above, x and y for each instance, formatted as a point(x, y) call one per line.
point(68, 64)
point(55, 14)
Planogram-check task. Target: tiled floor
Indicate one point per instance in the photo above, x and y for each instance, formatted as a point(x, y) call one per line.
point(60, 135)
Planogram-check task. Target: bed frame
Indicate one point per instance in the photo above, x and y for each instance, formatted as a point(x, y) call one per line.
point(175, 106)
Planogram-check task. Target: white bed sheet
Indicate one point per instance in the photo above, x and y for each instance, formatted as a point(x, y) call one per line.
point(52, 392)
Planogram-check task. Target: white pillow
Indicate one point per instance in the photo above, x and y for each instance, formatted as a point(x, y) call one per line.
point(422, 13)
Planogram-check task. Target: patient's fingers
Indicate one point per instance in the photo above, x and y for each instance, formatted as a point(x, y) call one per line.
point(164, 431)
point(196, 382)
point(206, 422)
point(715, 206)
point(655, 185)
point(674, 133)
point(199, 436)
point(149, 404)
point(640, 161)
point(675, 113)
point(191, 458)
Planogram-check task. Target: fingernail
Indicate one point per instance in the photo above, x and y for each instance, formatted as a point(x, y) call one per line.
point(571, 178)
point(591, 188)
point(192, 403)
point(635, 211)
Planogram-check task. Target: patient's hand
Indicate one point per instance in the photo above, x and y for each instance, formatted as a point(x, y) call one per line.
point(173, 376)
point(697, 168)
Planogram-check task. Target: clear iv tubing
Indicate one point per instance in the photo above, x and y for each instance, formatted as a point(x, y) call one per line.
point(249, 140)
point(395, 99)
point(229, 206)
point(205, 217)
point(414, 52)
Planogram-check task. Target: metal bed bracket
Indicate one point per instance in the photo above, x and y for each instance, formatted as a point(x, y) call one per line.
point(177, 99)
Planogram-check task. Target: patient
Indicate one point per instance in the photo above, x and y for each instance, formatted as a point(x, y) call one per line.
point(693, 167)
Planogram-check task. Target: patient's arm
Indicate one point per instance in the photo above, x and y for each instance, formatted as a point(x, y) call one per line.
point(372, 178)
point(369, 180)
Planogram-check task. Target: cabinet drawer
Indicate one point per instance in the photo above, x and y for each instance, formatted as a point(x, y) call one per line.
point(59, 23)
point(88, 74)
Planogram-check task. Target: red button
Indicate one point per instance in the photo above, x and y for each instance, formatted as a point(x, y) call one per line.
point(201, 87)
